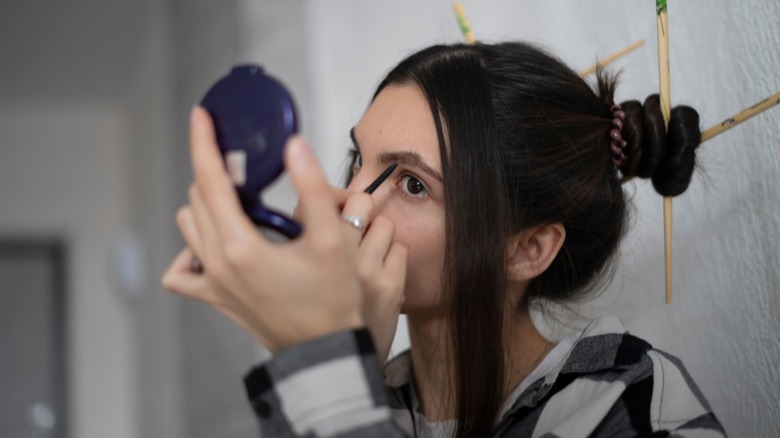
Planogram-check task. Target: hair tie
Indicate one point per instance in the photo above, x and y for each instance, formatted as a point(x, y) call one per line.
point(617, 145)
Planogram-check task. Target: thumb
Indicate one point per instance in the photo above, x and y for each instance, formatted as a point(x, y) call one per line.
point(318, 209)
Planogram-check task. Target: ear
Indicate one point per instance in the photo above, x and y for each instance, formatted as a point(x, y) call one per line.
point(531, 251)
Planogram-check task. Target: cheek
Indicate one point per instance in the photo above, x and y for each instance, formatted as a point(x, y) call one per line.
point(421, 230)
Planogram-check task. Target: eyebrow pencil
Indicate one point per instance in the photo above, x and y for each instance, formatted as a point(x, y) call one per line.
point(380, 179)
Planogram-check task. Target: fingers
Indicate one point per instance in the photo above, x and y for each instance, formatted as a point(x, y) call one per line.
point(381, 264)
point(181, 280)
point(189, 230)
point(208, 240)
point(318, 209)
point(340, 195)
point(391, 279)
point(361, 206)
point(213, 182)
point(395, 262)
point(375, 245)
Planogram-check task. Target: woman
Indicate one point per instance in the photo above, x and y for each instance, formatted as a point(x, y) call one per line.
point(508, 194)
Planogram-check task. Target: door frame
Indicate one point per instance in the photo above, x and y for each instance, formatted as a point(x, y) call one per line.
point(53, 249)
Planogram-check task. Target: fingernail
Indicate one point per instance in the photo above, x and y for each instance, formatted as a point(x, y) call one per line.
point(193, 113)
point(300, 154)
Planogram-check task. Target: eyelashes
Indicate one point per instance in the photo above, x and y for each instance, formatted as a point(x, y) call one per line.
point(355, 162)
point(355, 159)
point(410, 186)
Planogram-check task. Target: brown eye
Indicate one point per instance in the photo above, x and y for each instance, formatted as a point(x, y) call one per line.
point(414, 186)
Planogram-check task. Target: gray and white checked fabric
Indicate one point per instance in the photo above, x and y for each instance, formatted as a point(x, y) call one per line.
point(610, 384)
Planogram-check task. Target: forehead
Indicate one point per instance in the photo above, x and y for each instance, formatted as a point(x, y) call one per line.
point(399, 119)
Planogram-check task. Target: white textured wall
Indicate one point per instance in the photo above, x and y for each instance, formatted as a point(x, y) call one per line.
point(724, 319)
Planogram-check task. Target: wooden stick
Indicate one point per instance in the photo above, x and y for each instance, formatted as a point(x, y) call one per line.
point(668, 246)
point(611, 58)
point(662, 27)
point(463, 22)
point(740, 117)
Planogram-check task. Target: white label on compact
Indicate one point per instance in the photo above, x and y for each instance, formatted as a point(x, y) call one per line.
point(236, 166)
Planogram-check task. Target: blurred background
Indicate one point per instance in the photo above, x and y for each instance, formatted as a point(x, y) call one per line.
point(94, 100)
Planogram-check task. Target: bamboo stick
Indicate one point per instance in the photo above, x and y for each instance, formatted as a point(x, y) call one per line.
point(611, 58)
point(463, 23)
point(662, 27)
point(740, 117)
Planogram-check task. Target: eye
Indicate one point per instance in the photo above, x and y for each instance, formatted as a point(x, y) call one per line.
point(355, 161)
point(413, 187)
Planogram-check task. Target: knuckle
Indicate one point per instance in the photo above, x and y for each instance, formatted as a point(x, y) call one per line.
point(365, 272)
point(360, 202)
point(167, 281)
point(214, 267)
point(363, 198)
point(236, 253)
point(392, 283)
point(218, 270)
point(384, 284)
point(368, 202)
point(181, 214)
point(376, 283)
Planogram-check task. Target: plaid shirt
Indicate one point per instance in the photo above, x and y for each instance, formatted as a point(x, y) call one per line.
point(609, 384)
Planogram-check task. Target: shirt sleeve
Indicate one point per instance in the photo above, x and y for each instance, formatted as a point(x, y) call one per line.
point(327, 387)
point(678, 405)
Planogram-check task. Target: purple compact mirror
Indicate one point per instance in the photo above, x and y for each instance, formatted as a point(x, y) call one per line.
point(253, 117)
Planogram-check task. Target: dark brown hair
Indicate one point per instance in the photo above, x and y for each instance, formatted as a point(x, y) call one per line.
point(528, 144)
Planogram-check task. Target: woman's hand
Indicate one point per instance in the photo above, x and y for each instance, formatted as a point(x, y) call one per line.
point(381, 267)
point(281, 294)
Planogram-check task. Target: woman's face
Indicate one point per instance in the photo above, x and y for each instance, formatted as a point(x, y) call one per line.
point(398, 127)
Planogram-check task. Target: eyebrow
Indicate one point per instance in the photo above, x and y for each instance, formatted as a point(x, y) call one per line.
point(407, 158)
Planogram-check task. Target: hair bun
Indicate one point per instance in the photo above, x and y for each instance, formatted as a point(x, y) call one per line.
point(668, 157)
